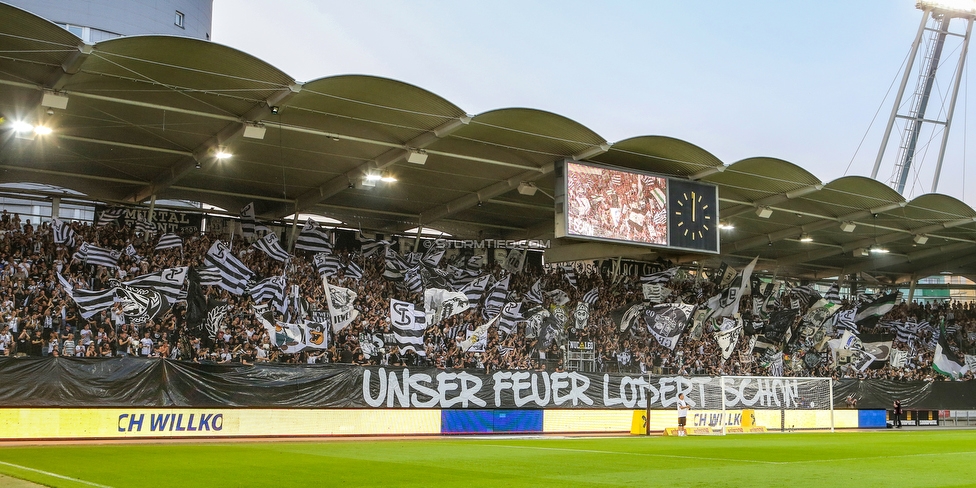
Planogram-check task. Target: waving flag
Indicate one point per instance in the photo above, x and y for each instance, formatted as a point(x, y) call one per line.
point(234, 274)
point(270, 246)
point(313, 239)
point(408, 325)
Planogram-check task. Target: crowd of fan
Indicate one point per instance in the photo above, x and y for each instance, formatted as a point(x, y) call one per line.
point(39, 319)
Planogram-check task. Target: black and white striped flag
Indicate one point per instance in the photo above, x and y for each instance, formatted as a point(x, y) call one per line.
point(370, 246)
point(592, 296)
point(313, 239)
point(169, 241)
point(475, 263)
point(511, 315)
point(63, 233)
point(248, 220)
point(270, 246)
point(234, 274)
point(833, 294)
point(534, 295)
point(326, 264)
point(408, 325)
point(496, 298)
point(144, 226)
point(395, 265)
point(167, 282)
point(433, 256)
point(209, 276)
point(99, 256)
point(352, 270)
point(413, 280)
point(476, 289)
point(109, 215)
point(844, 320)
point(270, 290)
point(660, 278)
point(89, 302)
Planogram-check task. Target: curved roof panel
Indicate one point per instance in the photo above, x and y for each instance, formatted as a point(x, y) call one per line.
point(660, 154)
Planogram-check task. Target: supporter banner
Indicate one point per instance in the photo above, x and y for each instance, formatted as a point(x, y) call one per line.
point(165, 220)
point(145, 382)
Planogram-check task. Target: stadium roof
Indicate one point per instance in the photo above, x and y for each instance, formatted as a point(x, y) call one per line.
point(147, 114)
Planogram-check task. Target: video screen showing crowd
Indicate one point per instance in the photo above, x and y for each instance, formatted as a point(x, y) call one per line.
point(105, 290)
point(611, 204)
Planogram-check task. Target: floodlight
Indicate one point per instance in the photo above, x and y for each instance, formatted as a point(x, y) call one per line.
point(804, 237)
point(848, 226)
point(222, 154)
point(725, 225)
point(961, 7)
point(373, 177)
point(22, 127)
point(416, 156)
point(526, 188)
point(254, 131)
point(388, 178)
point(920, 238)
point(861, 252)
point(54, 100)
point(764, 212)
point(42, 130)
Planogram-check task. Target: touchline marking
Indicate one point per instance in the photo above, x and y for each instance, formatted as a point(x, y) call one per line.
point(55, 475)
point(702, 458)
point(894, 456)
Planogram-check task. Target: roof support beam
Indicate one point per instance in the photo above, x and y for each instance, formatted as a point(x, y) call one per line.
point(827, 222)
point(771, 200)
point(396, 153)
point(202, 155)
point(867, 242)
point(889, 260)
point(938, 268)
point(439, 212)
point(69, 68)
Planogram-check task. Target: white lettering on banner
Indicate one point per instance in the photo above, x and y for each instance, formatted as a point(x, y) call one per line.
point(401, 388)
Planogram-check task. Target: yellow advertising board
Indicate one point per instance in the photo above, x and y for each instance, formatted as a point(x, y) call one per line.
point(567, 421)
point(121, 423)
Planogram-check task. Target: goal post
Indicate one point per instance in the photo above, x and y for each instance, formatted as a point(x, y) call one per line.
point(777, 403)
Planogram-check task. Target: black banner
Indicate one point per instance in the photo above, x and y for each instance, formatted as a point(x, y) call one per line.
point(144, 382)
point(166, 220)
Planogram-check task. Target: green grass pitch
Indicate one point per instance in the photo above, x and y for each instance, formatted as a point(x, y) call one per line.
point(855, 459)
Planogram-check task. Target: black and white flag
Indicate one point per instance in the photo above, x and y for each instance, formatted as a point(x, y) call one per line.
point(666, 322)
point(511, 315)
point(167, 282)
point(628, 315)
point(352, 270)
point(131, 252)
point(515, 261)
point(269, 245)
point(592, 296)
point(395, 265)
point(433, 256)
point(342, 305)
point(144, 226)
point(727, 336)
point(109, 216)
point(475, 290)
point(169, 241)
point(869, 314)
point(569, 272)
point(326, 264)
point(89, 302)
point(659, 278)
point(209, 275)
point(313, 239)
point(370, 246)
point(248, 220)
point(441, 304)
point(534, 295)
point(833, 294)
point(99, 256)
point(271, 290)
point(63, 233)
point(408, 325)
point(496, 297)
point(234, 274)
point(204, 317)
point(140, 304)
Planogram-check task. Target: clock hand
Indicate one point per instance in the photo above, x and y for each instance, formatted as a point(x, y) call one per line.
point(693, 206)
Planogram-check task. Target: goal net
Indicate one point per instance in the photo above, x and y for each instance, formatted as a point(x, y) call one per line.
point(773, 403)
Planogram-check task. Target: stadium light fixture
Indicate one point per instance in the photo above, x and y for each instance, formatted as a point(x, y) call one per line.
point(861, 252)
point(416, 156)
point(42, 130)
point(764, 212)
point(22, 127)
point(920, 239)
point(804, 237)
point(373, 177)
point(254, 131)
point(222, 154)
point(527, 188)
point(959, 7)
point(54, 100)
point(388, 178)
point(725, 225)
point(879, 250)
point(848, 226)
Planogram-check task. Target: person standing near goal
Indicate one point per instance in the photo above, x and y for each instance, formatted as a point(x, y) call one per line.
point(682, 413)
point(896, 410)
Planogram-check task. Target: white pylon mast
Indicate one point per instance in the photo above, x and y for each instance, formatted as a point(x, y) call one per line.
point(940, 14)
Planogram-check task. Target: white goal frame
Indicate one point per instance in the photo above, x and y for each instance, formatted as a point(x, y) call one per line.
point(727, 380)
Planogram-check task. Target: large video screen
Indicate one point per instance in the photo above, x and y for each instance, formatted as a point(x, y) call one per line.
point(605, 203)
point(611, 204)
